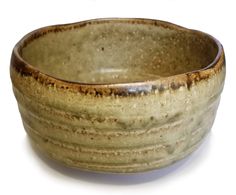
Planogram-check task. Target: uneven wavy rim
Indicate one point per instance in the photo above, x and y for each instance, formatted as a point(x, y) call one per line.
point(121, 89)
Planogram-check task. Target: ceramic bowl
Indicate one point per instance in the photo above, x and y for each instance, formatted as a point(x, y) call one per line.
point(117, 95)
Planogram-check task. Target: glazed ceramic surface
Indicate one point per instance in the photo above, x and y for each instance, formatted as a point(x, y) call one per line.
point(117, 95)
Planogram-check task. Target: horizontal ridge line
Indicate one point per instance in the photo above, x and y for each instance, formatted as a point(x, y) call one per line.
point(116, 133)
point(81, 148)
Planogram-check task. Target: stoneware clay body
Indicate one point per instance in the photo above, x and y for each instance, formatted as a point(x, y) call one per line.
point(117, 95)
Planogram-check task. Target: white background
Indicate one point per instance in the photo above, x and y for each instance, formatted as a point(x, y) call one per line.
point(210, 170)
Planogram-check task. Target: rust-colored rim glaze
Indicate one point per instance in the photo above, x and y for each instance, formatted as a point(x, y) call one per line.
point(121, 89)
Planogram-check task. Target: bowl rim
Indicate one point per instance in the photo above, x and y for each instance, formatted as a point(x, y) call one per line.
point(174, 81)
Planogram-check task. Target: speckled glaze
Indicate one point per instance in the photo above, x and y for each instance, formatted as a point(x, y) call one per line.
point(117, 95)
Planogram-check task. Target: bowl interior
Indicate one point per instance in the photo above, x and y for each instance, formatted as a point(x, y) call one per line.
point(118, 51)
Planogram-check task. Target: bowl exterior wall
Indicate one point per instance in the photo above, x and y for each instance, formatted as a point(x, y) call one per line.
point(115, 133)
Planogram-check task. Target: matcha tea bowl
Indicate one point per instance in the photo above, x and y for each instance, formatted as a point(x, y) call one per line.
point(117, 95)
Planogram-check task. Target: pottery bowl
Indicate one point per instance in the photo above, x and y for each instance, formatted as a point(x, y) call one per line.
point(117, 95)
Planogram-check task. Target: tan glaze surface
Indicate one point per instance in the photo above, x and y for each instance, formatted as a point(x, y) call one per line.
point(123, 95)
